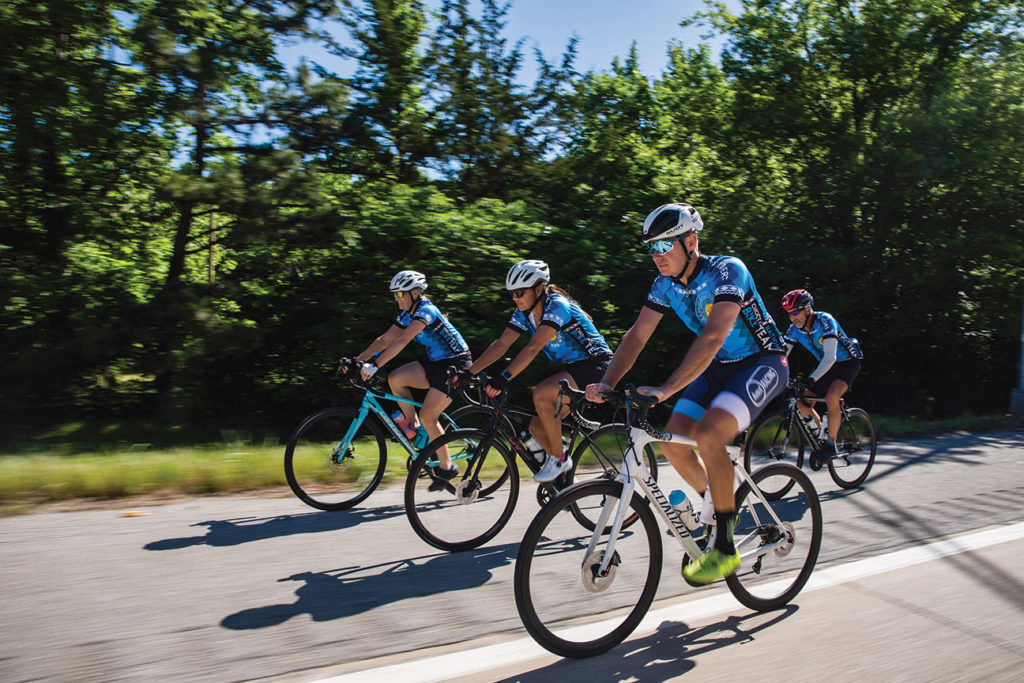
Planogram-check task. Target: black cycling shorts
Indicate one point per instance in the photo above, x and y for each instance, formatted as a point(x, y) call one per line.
point(845, 370)
point(587, 371)
point(437, 370)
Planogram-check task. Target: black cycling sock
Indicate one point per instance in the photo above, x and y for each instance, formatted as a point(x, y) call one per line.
point(723, 537)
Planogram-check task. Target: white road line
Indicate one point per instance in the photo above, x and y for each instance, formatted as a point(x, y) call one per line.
point(464, 663)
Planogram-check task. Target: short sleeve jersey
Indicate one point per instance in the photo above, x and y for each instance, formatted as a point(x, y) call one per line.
point(720, 278)
point(440, 337)
point(824, 326)
point(576, 336)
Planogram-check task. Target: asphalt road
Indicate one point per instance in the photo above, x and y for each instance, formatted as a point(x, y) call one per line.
point(249, 588)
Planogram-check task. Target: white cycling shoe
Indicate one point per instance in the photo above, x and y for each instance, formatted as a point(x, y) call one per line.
point(552, 469)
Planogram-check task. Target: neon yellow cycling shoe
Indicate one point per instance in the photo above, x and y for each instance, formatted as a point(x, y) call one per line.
point(711, 566)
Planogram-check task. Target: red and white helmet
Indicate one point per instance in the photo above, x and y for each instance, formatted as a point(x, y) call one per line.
point(797, 300)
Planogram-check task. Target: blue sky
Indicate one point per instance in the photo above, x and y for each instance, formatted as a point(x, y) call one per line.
point(605, 29)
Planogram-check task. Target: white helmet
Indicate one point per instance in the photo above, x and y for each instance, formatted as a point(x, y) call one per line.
point(527, 274)
point(671, 220)
point(406, 280)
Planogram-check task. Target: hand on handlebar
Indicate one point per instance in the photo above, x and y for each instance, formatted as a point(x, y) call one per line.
point(367, 371)
point(801, 384)
point(496, 385)
point(595, 390)
point(660, 393)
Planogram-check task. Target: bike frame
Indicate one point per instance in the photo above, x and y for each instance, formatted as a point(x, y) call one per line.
point(370, 404)
point(793, 412)
point(635, 474)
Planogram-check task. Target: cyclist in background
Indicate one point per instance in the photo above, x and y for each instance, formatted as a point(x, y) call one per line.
point(421, 320)
point(736, 366)
point(838, 356)
point(559, 327)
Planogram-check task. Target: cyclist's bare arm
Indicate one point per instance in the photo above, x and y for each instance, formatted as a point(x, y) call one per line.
point(495, 351)
point(540, 338)
point(380, 343)
point(399, 342)
point(629, 349)
point(702, 352)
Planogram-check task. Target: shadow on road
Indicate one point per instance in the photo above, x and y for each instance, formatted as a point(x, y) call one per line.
point(343, 592)
point(228, 532)
point(663, 655)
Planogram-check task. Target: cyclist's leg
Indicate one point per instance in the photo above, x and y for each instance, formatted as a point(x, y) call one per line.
point(688, 411)
point(433, 405)
point(546, 426)
point(750, 388)
point(835, 392)
point(402, 381)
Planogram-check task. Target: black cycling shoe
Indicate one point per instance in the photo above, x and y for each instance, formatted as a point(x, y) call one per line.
point(442, 477)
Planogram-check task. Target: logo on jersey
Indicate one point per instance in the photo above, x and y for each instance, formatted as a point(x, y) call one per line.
point(707, 310)
point(762, 384)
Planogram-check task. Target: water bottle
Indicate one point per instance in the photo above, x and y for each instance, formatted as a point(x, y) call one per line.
point(422, 438)
point(403, 424)
point(809, 423)
point(533, 446)
point(684, 507)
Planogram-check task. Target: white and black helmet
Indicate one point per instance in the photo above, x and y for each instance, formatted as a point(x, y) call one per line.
point(671, 220)
point(527, 274)
point(407, 280)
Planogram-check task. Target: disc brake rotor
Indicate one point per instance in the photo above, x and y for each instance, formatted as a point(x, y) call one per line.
point(594, 582)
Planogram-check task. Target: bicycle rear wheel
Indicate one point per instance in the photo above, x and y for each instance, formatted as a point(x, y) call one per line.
point(600, 455)
point(856, 443)
point(566, 606)
point(329, 472)
point(476, 504)
point(776, 559)
point(771, 441)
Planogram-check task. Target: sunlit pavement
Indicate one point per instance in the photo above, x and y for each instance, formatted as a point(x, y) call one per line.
point(953, 614)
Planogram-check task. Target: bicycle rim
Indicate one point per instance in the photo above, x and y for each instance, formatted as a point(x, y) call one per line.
point(471, 508)
point(771, 441)
point(776, 561)
point(855, 450)
point(324, 474)
point(599, 455)
point(564, 606)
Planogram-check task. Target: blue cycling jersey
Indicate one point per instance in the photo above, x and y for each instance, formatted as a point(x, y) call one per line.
point(576, 336)
point(715, 279)
point(823, 326)
point(440, 337)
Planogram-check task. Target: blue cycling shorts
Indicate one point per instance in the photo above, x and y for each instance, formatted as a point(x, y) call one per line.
point(742, 389)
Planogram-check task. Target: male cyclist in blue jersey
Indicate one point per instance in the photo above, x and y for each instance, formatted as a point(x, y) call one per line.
point(838, 355)
point(733, 369)
point(421, 320)
point(559, 327)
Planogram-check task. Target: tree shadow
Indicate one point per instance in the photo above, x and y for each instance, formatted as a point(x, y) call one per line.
point(229, 532)
point(665, 654)
point(348, 591)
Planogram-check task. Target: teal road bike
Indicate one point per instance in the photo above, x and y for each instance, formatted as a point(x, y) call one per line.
point(338, 456)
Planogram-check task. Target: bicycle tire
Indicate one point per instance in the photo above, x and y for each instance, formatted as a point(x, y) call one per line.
point(470, 509)
point(554, 581)
point(852, 463)
point(773, 440)
point(758, 583)
point(600, 455)
point(325, 479)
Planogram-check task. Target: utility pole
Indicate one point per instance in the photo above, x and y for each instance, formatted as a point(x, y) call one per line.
point(1017, 395)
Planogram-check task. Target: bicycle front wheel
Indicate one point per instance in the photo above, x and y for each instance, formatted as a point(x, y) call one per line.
point(334, 460)
point(599, 455)
point(778, 545)
point(771, 441)
point(855, 450)
point(471, 508)
point(566, 604)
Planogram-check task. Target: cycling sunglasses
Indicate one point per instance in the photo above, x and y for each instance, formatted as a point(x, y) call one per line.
point(517, 293)
point(661, 246)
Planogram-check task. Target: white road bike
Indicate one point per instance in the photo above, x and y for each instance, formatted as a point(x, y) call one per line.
point(580, 592)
